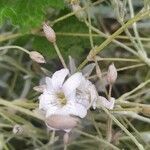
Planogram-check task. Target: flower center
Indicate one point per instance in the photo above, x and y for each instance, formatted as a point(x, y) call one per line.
point(61, 98)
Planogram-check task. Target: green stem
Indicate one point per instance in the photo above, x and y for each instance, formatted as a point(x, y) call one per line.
point(140, 147)
point(109, 122)
point(134, 90)
point(97, 139)
point(23, 110)
point(117, 59)
point(59, 55)
point(114, 35)
point(15, 47)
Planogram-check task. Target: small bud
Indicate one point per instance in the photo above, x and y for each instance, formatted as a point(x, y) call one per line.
point(37, 57)
point(146, 111)
point(17, 129)
point(80, 14)
point(66, 138)
point(39, 88)
point(62, 122)
point(112, 74)
point(49, 33)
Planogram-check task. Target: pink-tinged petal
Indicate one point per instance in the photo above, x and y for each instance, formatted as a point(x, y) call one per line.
point(49, 86)
point(108, 104)
point(61, 122)
point(54, 129)
point(72, 83)
point(58, 78)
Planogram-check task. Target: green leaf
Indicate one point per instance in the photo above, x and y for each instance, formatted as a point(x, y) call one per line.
point(27, 14)
point(42, 45)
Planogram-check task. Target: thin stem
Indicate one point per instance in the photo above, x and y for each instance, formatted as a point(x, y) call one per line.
point(73, 13)
point(97, 139)
point(140, 147)
point(10, 36)
point(114, 35)
point(135, 27)
point(23, 110)
point(134, 90)
point(59, 55)
point(117, 59)
point(65, 147)
point(114, 41)
point(134, 116)
point(90, 31)
point(15, 47)
point(52, 139)
point(109, 122)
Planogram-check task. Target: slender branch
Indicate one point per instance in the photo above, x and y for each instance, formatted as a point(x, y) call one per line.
point(140, 147)
point(114, 35)
point(59, 55)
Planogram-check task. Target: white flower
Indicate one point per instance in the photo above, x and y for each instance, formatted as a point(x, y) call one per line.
point(59, 96)
point(86, 93)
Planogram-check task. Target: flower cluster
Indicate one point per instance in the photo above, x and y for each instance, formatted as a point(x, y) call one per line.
point(64, 101)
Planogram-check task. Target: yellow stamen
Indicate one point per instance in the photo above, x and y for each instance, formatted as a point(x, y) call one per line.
point(62, 99)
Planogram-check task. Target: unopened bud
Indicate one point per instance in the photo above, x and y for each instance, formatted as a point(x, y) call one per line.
point(17, 129)
point(62, 122)
point(66, 138)
point(37, 57)
point(39, 88)
point(112, 74)
point(146, 111)
point(49, 33)
point(80, 14)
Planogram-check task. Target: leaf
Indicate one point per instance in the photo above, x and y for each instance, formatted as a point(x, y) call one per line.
point(42, 45)
point(27, 14)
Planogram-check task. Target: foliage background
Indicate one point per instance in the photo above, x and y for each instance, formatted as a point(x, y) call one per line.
point(21, 22)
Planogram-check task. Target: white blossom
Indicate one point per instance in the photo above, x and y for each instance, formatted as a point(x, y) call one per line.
point(64, 101)
point(59, 96)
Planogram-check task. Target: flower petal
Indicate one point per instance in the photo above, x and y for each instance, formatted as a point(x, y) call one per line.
point(58, 78)
point(80, 110)
point(72, 83)
point(52, 110)
point(46, 101)
point(49, 86)
point(61, 122)
point(73, 108)
point(108, 104)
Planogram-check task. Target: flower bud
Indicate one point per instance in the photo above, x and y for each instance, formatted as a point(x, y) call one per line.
point(111, 74)
point(49, 33)
point(17, 129)
point(66, 138)
point(39, 88)
point(62, 122)
point(146, 111)
point(37, 57)
point(80, 14)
